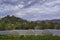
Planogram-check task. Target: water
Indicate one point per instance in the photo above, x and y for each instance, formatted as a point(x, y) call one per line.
point(23, 32)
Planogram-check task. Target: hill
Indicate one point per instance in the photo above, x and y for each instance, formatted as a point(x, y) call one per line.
point(15, 23)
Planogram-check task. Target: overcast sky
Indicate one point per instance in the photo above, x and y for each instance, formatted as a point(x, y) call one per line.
point(31, 9)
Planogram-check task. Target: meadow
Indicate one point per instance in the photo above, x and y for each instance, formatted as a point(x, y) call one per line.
point(28, 37)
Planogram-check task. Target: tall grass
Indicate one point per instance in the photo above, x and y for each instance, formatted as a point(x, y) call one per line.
point(28, 37)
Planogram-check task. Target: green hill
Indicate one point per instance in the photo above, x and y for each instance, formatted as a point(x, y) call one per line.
point(15, 23)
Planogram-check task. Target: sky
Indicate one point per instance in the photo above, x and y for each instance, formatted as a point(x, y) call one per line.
point(31, 9)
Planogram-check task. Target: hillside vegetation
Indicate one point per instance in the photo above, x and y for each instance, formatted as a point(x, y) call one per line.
point(15, 23)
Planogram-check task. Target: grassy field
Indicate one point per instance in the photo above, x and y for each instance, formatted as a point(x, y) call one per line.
point(17, 37)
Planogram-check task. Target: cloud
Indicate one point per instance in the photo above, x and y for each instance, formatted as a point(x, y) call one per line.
point(31, 10)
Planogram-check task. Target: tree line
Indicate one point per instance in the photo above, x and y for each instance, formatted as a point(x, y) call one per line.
point(15, 23)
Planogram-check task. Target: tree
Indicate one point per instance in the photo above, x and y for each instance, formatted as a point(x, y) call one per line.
point(2, 26)
point(42, 25)
point(51, 25)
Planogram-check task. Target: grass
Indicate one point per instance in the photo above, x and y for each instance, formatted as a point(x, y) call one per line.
point(32, 37)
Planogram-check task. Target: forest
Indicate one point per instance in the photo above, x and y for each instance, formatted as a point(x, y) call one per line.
point(16, 23)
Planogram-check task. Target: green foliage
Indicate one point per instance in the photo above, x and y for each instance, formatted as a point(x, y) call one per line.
point(13, 23)
point(32, 37)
